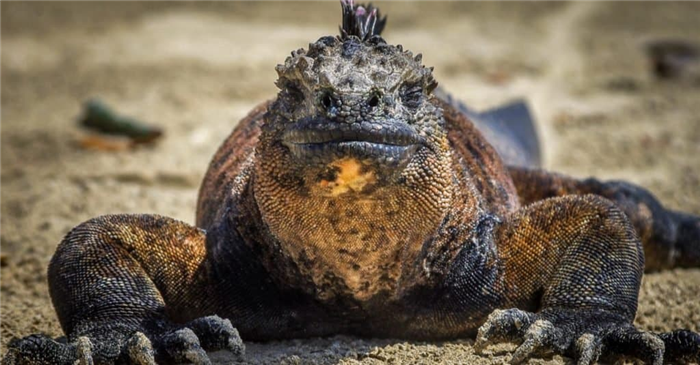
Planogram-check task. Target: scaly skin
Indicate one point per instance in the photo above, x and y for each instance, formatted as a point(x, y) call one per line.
point(670, 238)
point(356, 202)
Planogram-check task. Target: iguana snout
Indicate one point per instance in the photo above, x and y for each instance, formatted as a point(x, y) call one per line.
point(389, 143)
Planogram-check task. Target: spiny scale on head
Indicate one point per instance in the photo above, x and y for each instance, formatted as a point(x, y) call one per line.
point(360, 21)
point(359, 32)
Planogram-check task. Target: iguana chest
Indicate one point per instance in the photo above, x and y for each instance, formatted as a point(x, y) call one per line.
point(352, 248)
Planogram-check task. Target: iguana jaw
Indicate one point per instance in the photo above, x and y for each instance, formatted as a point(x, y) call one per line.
point(391, 144)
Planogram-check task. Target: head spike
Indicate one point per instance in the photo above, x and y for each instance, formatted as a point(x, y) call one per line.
point(360, 21)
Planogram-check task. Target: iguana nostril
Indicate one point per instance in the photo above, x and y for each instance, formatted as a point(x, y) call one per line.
point(329, 102)
point(373, 101)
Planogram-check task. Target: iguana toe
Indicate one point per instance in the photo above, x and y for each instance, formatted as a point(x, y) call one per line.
point(588, 349)
point(216, 333)
point(139, 350)
point(628, 341)
point(503, 326)
point(83, 347)
point(682, 346)
point(540, 338)
point(182, 346)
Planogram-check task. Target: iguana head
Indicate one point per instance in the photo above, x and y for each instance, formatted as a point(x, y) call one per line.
point(353, 112)
point(354, 135)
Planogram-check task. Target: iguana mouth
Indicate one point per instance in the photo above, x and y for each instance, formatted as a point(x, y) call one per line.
point(322, 140)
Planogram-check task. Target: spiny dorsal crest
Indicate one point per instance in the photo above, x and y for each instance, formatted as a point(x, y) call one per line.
point(358, 46)
point(362, 22)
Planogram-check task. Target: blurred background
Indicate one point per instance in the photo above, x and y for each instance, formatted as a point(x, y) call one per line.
point(194, 69)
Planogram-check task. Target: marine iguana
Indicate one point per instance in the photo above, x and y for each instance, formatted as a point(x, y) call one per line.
point(358, 201)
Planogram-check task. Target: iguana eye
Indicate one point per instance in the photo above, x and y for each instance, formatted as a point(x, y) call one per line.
point(411, 95)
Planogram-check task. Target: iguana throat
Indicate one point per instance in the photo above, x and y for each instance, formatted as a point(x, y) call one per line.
point(350, 234)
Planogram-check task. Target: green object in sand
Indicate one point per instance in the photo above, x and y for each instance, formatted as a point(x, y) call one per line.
point(98, 116)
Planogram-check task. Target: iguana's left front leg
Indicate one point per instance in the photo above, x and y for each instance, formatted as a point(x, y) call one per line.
point(670, 238)
point(130, 289)
point(580, 255)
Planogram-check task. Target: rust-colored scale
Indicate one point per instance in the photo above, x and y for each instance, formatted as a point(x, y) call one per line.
point(667, 236)
point(539, 244)
point(227, 164)
point(480, 162)
point(128, 253)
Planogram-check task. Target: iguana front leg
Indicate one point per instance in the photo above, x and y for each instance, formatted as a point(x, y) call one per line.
point(670, 238)
point(120, 285)
point(581, 260)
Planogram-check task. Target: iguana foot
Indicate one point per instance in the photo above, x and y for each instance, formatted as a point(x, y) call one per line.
point(186, 344)
point(583, 335)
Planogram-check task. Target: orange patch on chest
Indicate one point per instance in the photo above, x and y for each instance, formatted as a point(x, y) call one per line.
point(350, 177)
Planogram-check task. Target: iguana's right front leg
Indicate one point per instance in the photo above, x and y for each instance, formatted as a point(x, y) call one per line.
point(120, 285)
point(670, 238)
point(579, 260)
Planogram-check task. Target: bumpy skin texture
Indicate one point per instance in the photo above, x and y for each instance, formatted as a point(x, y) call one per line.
point(670, 238)
point(356, 202)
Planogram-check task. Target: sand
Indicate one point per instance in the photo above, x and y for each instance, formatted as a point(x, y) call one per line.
point(196, 69)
